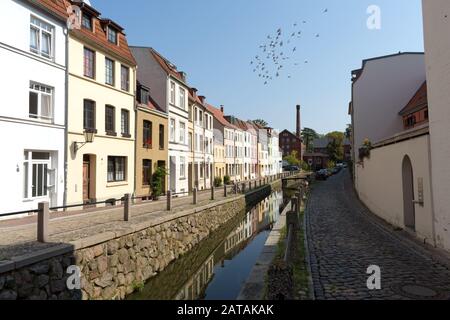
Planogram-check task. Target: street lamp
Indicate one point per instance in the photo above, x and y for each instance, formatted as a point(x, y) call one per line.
point(88, 138)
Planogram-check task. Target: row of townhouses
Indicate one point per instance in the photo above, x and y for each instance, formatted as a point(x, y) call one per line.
point(401, 138)
point(86, 118)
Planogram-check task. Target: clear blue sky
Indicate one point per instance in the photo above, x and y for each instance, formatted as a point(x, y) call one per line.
point(214, 42)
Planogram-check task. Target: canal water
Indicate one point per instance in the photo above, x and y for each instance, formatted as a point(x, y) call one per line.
point(219, 266)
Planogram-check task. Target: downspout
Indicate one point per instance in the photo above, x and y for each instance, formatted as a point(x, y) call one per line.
point(66, 119)
point(135, 129)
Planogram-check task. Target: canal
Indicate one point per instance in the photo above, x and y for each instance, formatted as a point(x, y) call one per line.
point(218, 267)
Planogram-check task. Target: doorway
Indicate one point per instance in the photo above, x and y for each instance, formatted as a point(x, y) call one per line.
point(408, 194)
point(88, 178)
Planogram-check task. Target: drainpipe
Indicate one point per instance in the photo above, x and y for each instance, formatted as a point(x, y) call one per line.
point(135, 130)
point(66, 119)
point(433, 221)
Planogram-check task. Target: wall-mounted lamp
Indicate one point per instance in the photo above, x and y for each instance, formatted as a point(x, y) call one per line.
point(88, 138)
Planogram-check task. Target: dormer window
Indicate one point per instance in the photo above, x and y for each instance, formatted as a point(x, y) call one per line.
point(144, 97)
point(112, 35)
point(86, 22)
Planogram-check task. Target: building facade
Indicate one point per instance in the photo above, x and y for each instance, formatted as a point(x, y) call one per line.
point(202, 164)
point(32, 119)
point(393, 177)
point(171, 93)
point(151, 141)
point(101, 102)
point(437, 49)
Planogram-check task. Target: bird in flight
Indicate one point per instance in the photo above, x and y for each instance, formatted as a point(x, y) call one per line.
point(325, 11)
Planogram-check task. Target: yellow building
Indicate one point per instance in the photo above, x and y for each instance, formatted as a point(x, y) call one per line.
point(101, 100)
point(151, 141)
point(219, 160)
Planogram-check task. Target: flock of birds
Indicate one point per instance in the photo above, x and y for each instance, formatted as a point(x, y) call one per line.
point(278, 53)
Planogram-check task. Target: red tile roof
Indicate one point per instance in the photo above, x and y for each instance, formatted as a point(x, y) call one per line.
point(218, 115)
point(98, 37)
point(418, 102)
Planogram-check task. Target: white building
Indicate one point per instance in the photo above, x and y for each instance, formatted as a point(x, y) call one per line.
point(171, 92)
point(437, 56)
point(33, 99)
point(275, 155)
point(203, 145)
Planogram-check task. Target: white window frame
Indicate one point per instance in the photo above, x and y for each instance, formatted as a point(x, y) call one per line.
point(182, 133)
point(172, 97)
point(42, 90)
point(172, 129)
point(182, 98)
point(182, 167)
point(42, 27)
point(47, 178)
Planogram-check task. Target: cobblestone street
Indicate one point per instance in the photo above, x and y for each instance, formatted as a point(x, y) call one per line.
point(344, 240)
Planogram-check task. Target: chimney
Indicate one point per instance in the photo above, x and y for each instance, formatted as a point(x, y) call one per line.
point(202, 98)
point(194, 92)
point(299, 125)
point(221, 108)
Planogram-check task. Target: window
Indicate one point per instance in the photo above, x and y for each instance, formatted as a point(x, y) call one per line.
point(116, 169)
point(172, 130)
point(147, 134)
point(125, 123)
point(40, 102)
point(200, 117)
point(144, 96)
point(146, 172)
point(86, 22)
point(182, 132)
point(89, 115)
point(110, 120)
point(36, 174)
point(41, 38)
point(89, 63)
point(426, 114)
point(172, 92)
point(161, 137)
point(182, 99)
point(109, 72)
point(182, 167)
point(125, 78)
point(190, 141)
point(112, 35)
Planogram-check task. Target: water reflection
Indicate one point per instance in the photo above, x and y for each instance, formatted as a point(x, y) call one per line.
point(221, 271)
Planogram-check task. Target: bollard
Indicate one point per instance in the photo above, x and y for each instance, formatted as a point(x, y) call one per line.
point(194, 194)
point(225, 190)
point(169, 200)
point(212, 192)
point(299, 197)
point(235, 188)
point(42, 226)
point(243, 188)
point(127, 207)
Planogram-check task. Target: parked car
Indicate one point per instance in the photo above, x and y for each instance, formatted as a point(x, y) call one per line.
point(322, 174)
point(291, 168)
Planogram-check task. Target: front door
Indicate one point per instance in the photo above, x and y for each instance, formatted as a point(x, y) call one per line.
point(86, 181)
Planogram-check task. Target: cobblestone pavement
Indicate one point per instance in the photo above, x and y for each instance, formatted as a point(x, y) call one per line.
point(344, 240)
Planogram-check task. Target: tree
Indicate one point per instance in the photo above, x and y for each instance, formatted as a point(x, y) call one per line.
point(348, 131)
point(308, 136)
point(261, 122)
point(293, 159)
point(335, 148)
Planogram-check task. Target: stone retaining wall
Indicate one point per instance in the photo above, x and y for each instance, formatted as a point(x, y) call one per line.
point(114, 268)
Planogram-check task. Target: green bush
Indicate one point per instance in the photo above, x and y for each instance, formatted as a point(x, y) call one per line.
point(157, 182)
point(217, 182)
point(227, 180)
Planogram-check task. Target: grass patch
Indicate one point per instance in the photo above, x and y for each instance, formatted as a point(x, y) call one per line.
point(300, 268)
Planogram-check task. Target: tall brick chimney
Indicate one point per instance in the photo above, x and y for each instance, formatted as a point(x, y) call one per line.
point(299, 125)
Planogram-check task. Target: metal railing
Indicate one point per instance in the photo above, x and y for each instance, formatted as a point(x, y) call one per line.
point(43, 211)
